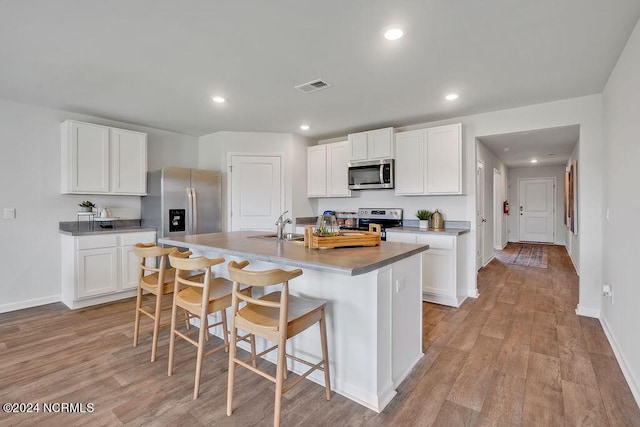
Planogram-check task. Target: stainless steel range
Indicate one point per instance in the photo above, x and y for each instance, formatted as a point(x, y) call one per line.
point(386, 217)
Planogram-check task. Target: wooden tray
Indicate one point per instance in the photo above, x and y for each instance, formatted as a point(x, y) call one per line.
point(343, 239)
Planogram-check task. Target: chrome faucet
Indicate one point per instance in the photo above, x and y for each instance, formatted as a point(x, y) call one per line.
point(280, 224)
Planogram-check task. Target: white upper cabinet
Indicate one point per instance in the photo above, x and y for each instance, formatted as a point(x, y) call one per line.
point(129, 166)
point(410, 162)
point(102, 160)
point(328, 171)
point(372, 145)
point(317, 171)
point(429, 161)
point(85, 158)
point(338, 169)
point(444, 159)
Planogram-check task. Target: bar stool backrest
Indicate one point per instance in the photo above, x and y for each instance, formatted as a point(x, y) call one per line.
point(262, 278)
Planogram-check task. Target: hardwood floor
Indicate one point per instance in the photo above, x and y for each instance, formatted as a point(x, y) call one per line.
point(517, 355)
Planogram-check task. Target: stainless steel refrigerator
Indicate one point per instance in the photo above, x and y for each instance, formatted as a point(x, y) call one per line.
point(182, 201)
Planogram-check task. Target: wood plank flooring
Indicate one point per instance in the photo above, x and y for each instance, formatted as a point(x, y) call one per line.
point(516, 356)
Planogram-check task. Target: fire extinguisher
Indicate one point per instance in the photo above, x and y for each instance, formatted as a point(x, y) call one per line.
point(505, 207)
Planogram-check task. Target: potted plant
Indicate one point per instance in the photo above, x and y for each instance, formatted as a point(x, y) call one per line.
point(86, 206)
point(424, 216)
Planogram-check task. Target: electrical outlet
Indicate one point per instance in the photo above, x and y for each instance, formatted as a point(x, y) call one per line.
point(606, 290)
point(9, 213)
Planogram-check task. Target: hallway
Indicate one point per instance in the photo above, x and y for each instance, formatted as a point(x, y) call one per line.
point(519, 355)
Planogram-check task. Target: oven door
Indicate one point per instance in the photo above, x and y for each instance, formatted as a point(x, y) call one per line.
point(371, 175)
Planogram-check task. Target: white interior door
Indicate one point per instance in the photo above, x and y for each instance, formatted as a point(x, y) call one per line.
point(536, 209)
point(256, 192)
point(480, 218)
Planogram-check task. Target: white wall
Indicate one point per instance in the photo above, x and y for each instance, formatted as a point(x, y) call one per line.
point(215, 148)
point(491, 162)
point(30, 182)
point(556, 172)
point(620, 314)
point(584, 111)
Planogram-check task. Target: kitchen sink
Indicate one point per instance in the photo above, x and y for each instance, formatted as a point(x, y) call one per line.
point(290, 237)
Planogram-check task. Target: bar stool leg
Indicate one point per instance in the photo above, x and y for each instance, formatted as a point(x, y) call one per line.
point(281, 367)
point(225, 331)
point(325, 354)
point(136, 325)
point(232, 366)
point(201, 341)
point(156, 324)
point(172, 335)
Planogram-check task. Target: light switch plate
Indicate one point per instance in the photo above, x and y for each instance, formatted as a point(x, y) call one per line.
point(9, 213)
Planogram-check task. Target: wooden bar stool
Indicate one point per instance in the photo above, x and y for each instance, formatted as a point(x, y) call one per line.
point(155, 280)
point(275, 317)
point(200, 296)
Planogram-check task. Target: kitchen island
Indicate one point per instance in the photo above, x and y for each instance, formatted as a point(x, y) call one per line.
point(374, 310)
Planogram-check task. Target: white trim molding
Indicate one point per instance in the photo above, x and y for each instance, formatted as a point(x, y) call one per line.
point(624, 366)
point(5, 308)
point(588, 312)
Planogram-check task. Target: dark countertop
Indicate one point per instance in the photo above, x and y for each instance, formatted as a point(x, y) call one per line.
point(349, 261)
point(87, 228)
point(417, 230)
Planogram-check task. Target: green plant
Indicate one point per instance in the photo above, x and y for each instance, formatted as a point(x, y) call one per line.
point(87, 204)
point(424, 215)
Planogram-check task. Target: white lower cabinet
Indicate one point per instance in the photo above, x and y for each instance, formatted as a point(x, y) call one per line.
point(443, 278)
point(100, 268)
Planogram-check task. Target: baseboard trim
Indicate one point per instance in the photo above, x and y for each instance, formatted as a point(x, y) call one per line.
point(35, 302)
point(624, 366)
point(588, 312)
point(575, 267)
point(491, 258)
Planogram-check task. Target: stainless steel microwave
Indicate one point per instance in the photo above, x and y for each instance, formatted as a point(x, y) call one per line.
point(370, 175)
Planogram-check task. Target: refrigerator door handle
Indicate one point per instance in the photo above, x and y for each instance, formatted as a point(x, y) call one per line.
point(189, 212)
point(194, 210)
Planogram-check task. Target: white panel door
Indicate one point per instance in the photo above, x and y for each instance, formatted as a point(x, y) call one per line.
point(480, 219)
point(536, 209)
point(256, 192)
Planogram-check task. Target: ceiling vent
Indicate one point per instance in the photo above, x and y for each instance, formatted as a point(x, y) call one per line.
point(313, 86)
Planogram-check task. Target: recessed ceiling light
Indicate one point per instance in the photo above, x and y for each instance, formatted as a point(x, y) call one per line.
point(304, 127)
point(534, 160)
point(218, 99)
point(393, 34)
point(451, 97)
point(506, 148)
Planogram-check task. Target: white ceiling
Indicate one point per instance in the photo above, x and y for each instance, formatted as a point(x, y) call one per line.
point(157, 62)
point(551, 147)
